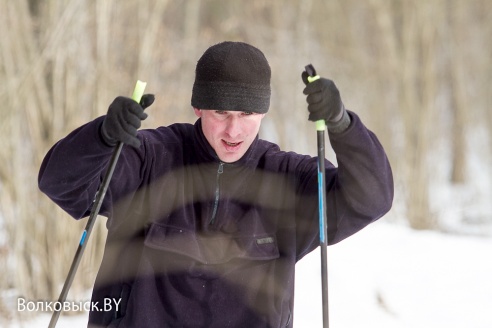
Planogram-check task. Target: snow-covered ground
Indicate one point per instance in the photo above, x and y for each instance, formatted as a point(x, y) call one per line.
point(389, 276)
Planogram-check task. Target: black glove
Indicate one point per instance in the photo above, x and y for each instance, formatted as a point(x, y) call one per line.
point(123, 120)
point(323, 98)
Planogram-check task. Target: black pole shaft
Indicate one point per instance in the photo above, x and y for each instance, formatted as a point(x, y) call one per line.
point(323, 225)
point(86, 234)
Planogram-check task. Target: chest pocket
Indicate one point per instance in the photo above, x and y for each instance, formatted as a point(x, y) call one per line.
point(211, 249)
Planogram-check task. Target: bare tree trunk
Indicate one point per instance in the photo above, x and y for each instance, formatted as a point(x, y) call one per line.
point(458, 94)
point(419, 90)
point(410, 43)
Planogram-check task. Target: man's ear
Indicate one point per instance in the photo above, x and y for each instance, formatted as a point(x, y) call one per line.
point(198, 112)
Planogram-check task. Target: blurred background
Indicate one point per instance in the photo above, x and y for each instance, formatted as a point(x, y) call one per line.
point(418, 73)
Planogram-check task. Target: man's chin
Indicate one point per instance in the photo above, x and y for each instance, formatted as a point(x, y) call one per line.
point(230, 157)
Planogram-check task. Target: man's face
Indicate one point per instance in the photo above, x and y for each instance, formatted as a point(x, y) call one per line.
point(230, 133)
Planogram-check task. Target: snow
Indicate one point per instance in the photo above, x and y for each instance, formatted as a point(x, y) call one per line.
point(388, 276)
point(391, 276)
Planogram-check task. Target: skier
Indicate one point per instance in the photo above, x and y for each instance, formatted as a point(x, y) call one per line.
point(206, 221)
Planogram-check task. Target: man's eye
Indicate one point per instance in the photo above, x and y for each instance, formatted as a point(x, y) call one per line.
point(247, 113)
point(221, 112)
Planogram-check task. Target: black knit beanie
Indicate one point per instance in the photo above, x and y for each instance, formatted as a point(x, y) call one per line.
point(232, 76)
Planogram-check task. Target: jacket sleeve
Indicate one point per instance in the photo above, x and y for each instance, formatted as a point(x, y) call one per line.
point(74, 167)
point(359, 191)
point(362, 189)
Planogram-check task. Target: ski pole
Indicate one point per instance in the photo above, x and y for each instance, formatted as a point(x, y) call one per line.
point(99, 197)
point(323, 228)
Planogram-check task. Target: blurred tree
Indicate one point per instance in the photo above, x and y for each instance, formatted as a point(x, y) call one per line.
point(457, 80)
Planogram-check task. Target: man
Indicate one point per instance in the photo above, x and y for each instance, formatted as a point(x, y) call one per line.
point(206, 221)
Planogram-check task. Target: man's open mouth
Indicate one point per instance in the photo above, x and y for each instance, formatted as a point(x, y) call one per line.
point(231, 145)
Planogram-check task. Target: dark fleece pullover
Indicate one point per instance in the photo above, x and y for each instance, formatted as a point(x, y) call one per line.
point(193, 242)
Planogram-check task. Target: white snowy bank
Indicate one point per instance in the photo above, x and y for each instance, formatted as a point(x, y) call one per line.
point(391, 276)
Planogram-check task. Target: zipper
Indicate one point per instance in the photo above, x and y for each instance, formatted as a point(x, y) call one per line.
point(289, 319)
point(220, 170)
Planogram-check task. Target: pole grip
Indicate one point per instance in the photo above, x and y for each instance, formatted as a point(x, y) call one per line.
point(139, 90)
point(311, 79)
point(320, 124)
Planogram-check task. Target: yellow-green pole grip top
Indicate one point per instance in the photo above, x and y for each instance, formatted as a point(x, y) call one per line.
point(139, 90)
point(313, 78)
point(320, 125)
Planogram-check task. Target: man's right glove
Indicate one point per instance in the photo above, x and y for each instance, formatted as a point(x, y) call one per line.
point(325, 103)
point(124, 119)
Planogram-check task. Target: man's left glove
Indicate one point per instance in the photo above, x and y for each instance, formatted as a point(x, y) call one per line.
point(325, 103)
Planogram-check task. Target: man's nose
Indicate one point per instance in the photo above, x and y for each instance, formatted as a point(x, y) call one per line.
point(233, 127)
